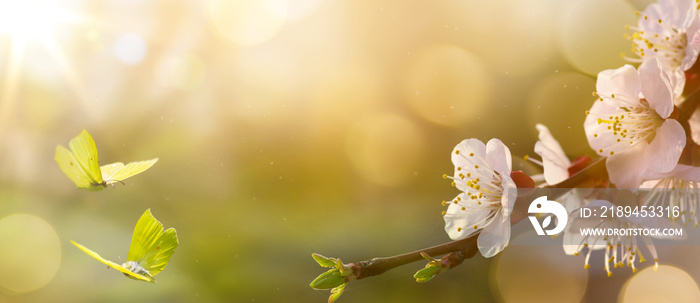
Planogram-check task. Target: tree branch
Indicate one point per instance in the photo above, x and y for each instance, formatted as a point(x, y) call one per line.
point(468, 247)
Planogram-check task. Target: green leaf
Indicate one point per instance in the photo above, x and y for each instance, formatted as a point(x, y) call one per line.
point(427, 273)
point(324, 261)
point(327, 280)
point(336, 292)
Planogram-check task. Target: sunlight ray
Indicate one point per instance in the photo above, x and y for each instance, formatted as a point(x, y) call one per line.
point(9, 87)
point(69, 74)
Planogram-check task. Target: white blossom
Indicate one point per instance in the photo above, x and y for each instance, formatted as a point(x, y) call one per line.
point(482, 173)
point(630, 123)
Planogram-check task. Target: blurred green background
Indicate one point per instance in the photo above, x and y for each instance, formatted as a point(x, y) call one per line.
point(287, 127)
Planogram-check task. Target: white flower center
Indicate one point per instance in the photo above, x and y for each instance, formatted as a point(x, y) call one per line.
point(637, 122)
point(668, 45)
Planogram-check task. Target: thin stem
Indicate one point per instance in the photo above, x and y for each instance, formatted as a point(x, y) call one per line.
point(377, 266)
point(467, 246)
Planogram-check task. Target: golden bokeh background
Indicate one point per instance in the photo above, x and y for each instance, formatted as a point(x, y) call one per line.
point(284, 128)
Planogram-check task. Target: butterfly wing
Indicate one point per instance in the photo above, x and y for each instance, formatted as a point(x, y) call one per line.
point(109, 170)
point(69, 165)
point(112, 264)
point(116, 172)
point(85, 152)
point(150, 246)
point(156, 259)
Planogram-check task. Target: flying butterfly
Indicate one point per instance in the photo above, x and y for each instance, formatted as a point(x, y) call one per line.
point(150, 250)
point(81, 166)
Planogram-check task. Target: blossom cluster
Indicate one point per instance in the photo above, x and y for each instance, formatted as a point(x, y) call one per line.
point(638, 123)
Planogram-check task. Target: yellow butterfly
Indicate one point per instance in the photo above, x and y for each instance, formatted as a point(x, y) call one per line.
point(150, 250)
point(81, 166)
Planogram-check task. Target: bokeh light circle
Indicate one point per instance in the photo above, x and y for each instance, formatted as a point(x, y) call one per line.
point(300, 9)
point(385, 148)
point(527, 24)
point(591, 33)
point(130, 49)
point(538, 273)
point(30, 253)
point(667, 284)
point(248, 22)
point(447, 85)
point(339, 98)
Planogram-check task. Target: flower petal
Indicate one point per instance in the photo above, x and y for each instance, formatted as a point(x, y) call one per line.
point(459, 223)
point(693, 47)
point(692, 173)
point(509, 194)
point(554, 160)
point(650, 24)
point(462, 158)
point(677, 13)
point(656, 87)
point(664, 151)
point(598, 135)
point(677, 77)
point(573, 238)
point(681, 171)
point(623, 81)
point(600, 203)
point(626, 169)
point(465, 148)
point(572, 200)
point(495, 236)
point(498, 157)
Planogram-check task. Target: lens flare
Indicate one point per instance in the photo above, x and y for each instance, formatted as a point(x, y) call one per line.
point(130, 49)
point(538, 273)
point(667, 284)
point(447, 85)
point(30, 254)
point(248, 22)
point(29, 18)
point(587, 34)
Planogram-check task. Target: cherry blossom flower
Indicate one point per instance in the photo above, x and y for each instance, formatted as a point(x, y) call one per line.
point(669, 31)
point(676, 188)
point(621, 249)
point(630, 123)
point(556, 166)
point(482, 173)
point(554, 160)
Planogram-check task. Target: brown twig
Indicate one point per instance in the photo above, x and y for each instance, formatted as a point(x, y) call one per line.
point(468, 246)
